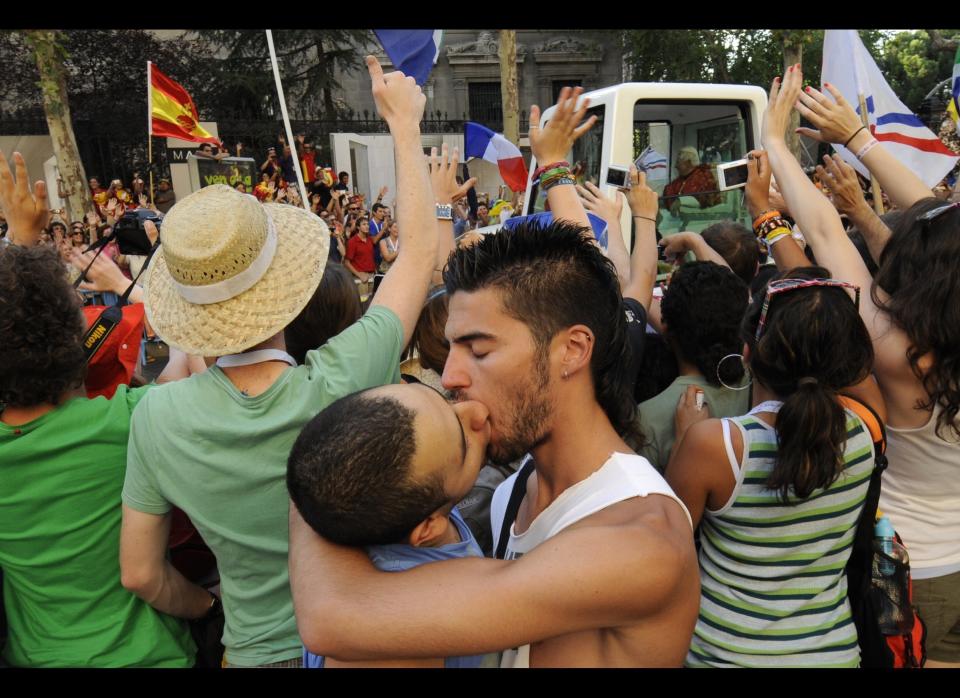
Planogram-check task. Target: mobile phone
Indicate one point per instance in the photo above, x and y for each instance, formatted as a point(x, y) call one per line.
point(618, 176)
point(732, 175)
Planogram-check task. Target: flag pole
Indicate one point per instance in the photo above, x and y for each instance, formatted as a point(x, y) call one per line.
point(150, 127)
point(874, 184)
point(286, 122)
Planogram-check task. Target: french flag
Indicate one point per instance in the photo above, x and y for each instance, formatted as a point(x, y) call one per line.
point(481, 142)
point(412, 51)
point(849, 67)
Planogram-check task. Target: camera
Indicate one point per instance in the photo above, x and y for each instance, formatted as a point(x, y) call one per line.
point(130, 233)
point(732, 175)
point(618, 176)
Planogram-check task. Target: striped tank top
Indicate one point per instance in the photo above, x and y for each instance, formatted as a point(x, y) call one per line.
point(773, 588)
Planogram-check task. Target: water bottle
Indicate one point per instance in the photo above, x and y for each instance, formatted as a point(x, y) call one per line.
point(887, 543)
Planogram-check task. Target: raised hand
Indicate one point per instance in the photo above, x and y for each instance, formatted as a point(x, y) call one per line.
point(847, 194)
point(836, 120)
point(643, 200)
point(783, 97)
point(383, 192)
point(758, 182)
point(27, 213)
point(593, 200)
point(399, 99)
point(103, 275)
point(552, 143)
point(443, 176)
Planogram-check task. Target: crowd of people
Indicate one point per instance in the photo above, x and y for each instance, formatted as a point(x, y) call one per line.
point(606, 471)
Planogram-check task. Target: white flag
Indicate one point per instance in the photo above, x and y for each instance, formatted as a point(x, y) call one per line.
point(849, 67)
point(653, 163)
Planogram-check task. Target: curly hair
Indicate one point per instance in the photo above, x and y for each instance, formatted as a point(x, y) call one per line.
point(41, 326)
point(702, 308)
point(918, 269)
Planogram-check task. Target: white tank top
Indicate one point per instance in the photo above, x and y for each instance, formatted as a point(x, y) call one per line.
point(622, 477)
point(921, 495)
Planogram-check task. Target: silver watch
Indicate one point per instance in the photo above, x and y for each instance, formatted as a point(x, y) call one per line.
point(444, 212)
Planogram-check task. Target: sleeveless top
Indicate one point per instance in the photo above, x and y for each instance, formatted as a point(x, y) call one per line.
point(921, 495)
point(773, 592)
point(623, 476)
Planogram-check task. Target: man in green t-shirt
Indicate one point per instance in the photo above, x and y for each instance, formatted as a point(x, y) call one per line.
point(62, 463)
point(230, 276)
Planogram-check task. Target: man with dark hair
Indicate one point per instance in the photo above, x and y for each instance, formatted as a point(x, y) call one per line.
point(737, 245)
point(602, 567)
point(378, 229)
point(343, 182)
point(394, 494)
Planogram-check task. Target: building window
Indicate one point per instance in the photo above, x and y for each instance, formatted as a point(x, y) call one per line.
point(486, 104)
point(560, 84)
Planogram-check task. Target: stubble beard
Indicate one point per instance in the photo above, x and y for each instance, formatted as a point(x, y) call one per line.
point(528, 417)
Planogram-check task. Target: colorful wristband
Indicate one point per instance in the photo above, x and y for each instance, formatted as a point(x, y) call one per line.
point(870, 145)
point(764, 217)
point(540, 170)
point(563, 180)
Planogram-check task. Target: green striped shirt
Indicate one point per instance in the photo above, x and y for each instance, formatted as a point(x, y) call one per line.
point(773, 589)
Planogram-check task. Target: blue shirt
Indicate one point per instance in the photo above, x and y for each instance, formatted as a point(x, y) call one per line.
point(398, 557)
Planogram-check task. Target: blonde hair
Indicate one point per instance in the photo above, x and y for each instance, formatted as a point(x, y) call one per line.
point(690, 154)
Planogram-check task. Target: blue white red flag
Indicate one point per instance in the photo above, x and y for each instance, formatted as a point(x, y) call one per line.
point(653, 163)
point(412, 51)
point(849, 67)
point(481, 142)
point(545, 218)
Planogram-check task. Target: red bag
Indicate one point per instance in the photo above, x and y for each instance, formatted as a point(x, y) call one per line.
point(115, 362)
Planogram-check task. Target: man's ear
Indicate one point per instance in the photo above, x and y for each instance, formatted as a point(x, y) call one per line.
point(577, 349)
point(428, 529)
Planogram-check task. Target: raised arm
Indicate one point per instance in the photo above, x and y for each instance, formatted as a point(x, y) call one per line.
point(27, 213)
point(443, 182)
point(785, 250)
point(678, 244)
point(643, 262)
point(553, 142)
point(823, 229)
point(400, 102)
point(609, 210)
point(848, 198)
point(837, 122)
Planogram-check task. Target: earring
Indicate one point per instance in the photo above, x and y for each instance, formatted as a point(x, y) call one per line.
point(746, 373)
point(564, 374)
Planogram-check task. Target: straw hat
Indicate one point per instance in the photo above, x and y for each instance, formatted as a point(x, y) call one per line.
point(232, 272)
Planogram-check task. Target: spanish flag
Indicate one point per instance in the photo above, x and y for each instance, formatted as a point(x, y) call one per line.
point(172, 112)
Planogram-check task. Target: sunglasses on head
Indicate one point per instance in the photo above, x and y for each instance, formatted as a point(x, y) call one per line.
point(934, 213)
point(785, 285)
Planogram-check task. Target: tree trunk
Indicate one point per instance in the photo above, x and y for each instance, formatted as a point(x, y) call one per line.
point(49, 56)
point(792, 54)
point(508, 85)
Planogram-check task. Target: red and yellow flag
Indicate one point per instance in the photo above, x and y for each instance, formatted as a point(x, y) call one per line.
point(172, 112)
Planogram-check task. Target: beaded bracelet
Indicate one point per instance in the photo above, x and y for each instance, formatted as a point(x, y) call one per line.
point(540, 170)
point(553, 173)
point(771, 225)
point(870, 145)
point(555, 182)
point(764, 217)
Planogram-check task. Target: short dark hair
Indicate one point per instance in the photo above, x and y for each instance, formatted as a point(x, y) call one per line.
point(702, 309)
point(428, 336)
point(41, 326)
point(349, 473)
point(341, 175)
point(553, 277)
point(737, 245)
point(334, 306)
point(376, 207)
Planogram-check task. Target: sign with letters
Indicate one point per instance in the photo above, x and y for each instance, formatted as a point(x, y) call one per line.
point(229, 171)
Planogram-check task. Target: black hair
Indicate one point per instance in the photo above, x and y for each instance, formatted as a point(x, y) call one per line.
point(376, 207)
point(737, 245)
point(334, 306)
point(658, 368)
point(349, 473)
point(814, 333)
point(553, 277)
point(918, 269)
point(702, 309)
point(760, 281)
point(41, 326)
point(343, 174)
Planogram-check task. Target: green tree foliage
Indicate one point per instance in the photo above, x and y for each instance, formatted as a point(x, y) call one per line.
point(913, 66)
point(309, 60)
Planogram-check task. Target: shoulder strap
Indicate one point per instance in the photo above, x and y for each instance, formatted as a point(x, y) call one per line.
point(513, 506)
point(871, 420)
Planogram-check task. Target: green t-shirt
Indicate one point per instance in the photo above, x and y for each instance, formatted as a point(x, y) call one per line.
point(60, 516)
point(220, 456)
point(656, 415)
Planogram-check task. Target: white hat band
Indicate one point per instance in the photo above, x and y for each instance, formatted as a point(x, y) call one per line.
point(238, 283)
